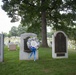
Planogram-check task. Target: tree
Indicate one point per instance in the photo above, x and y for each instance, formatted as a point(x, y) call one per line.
point(35, 29)
point(59, 14)
point(9, 35)
point(21, 29)
point(5, 34)
point(49, 34)
point(13, 31)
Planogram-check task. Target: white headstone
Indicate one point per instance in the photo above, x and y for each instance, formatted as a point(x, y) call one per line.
point(24, 50)
point(59, 45)
point(1, 47)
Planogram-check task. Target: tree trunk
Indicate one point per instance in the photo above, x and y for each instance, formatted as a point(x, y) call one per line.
point(44, 29)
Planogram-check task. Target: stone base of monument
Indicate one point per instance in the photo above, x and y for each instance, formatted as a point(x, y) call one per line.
point(59, 55)
point(25, 56)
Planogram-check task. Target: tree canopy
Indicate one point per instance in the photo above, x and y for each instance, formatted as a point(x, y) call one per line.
point(17, 31)
point(13, 31)
point(21, 29)
point(59, 14)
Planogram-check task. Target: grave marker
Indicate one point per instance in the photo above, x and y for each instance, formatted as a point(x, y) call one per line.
point(24, 50)
point(59, 45)
point(12, 47)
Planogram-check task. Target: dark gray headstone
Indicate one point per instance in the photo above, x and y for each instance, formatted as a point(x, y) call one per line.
point(59, 45)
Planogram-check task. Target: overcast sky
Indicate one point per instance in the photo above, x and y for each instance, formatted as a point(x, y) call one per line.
point(5, 24)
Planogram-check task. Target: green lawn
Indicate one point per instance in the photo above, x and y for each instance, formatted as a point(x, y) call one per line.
point(46, 65)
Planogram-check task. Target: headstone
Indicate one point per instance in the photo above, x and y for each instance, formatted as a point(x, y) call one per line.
point(1, 47)
point(59, 45)
point(12, 47)
point(24, 50)
point(10, 43)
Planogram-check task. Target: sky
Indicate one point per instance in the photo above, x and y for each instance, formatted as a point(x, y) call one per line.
point(5, 24)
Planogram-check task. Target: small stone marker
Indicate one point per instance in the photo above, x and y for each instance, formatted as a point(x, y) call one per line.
point(59, 45)
point(12, 47)
point(1, 47)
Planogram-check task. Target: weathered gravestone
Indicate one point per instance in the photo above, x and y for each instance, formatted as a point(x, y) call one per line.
point(59, 45)
point(24, 50)
point(12, 47)
point(10, 43)
point(1, 47)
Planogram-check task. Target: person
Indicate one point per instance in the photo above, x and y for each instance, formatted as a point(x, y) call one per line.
point(9, 41)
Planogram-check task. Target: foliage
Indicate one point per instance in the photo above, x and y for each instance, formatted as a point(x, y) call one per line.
point(17, 31)
point(13, 31)
point(45, 65)
point(21, 29)
point(49, 34)
point(59, 14)
point(35, 29)
point(9, 35)
point(5, 34)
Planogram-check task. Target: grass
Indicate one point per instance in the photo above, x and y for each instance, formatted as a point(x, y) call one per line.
point(46, 65)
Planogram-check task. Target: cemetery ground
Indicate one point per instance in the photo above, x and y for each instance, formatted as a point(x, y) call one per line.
point(46, 65)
